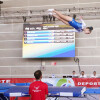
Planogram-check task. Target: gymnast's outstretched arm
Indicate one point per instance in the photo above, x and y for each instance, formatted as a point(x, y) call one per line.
point(83, 23)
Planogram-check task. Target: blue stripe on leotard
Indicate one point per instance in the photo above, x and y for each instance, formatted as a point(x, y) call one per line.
point(76, 25)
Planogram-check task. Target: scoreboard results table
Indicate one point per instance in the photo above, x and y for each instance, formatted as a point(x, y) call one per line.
point(53, 36)
point(48, 41)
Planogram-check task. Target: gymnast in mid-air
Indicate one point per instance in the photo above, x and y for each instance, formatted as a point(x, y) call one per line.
point(79, 26)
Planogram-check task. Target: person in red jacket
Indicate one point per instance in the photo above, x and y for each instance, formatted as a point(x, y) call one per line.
point(38, 90)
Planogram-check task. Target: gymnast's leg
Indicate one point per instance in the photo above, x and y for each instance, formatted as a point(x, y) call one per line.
point(64, 17)
point(59, 18)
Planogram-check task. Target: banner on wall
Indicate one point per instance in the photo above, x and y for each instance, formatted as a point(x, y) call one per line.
point(16, 80)
point(87, 82)
point(68, 82)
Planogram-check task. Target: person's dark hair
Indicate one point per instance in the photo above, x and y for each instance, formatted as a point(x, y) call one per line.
point(38, 74)
point(82, 71)
point(90, 28)
point(73, 70)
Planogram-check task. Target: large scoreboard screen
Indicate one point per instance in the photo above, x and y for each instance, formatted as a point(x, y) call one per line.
point(48, 41)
